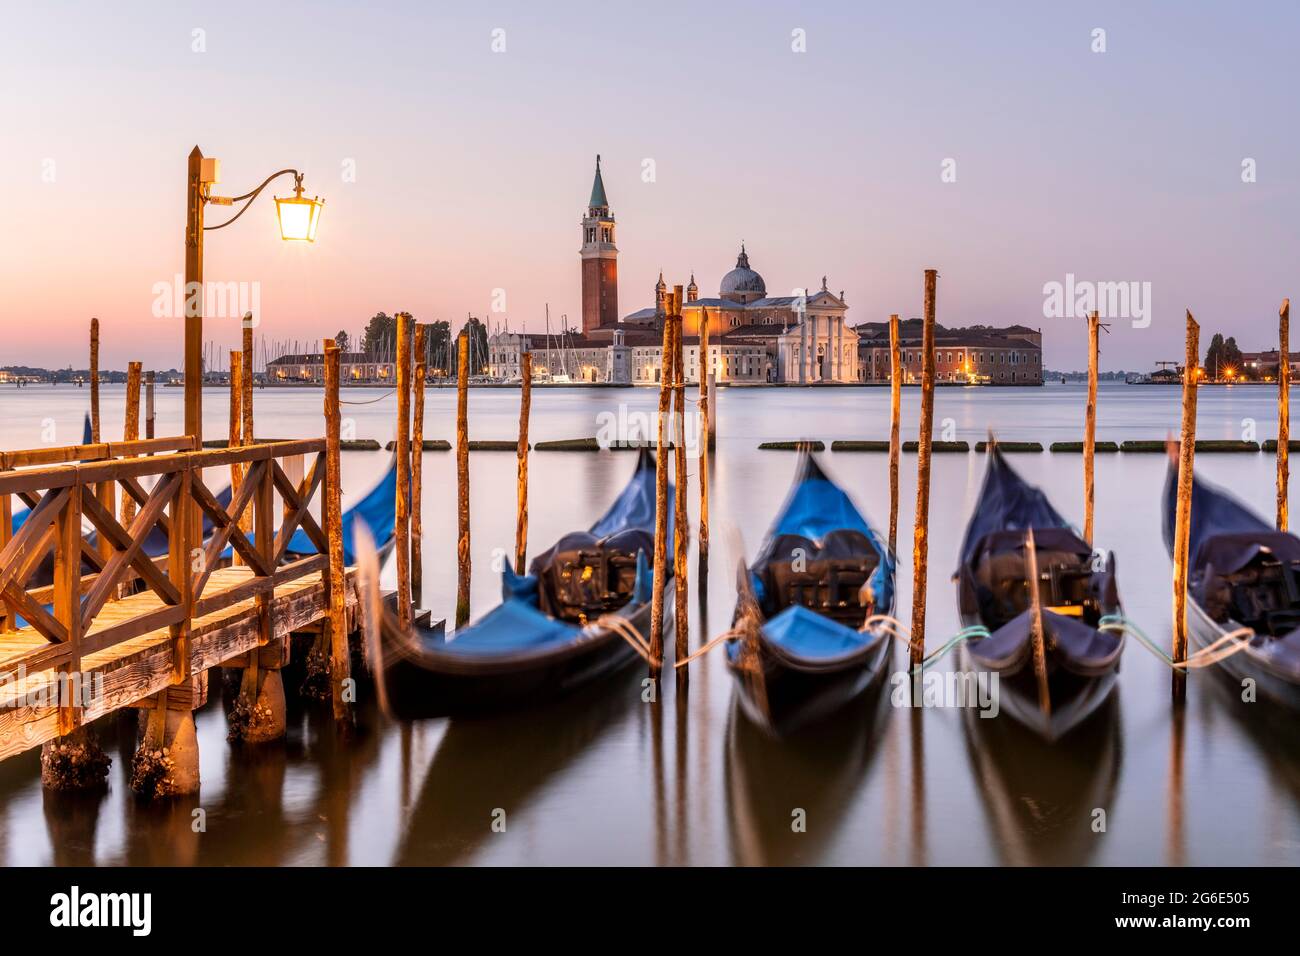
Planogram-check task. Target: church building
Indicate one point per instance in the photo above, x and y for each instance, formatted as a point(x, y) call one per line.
point(805, 336)
point(599, 261)
point(754, 338)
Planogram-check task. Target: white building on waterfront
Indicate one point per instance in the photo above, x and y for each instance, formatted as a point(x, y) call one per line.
point(754, 339)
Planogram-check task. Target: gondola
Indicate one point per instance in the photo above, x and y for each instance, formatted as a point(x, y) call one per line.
point(1242, 573)
point(1077, 590)
point(800, 651)
point(570, 621)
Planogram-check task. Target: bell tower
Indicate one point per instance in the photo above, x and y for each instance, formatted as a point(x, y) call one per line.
point(599, 261)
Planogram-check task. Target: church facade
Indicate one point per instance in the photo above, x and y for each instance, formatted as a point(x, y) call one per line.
point(754, 338)
point(805, 338)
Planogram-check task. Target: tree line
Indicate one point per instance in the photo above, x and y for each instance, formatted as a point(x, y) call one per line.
point(1223, 359)
point(379, 342)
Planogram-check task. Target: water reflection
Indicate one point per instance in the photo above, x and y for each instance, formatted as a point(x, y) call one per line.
point(1040, 798)
point(486, 766)
point(786, 799)
point(606, 778)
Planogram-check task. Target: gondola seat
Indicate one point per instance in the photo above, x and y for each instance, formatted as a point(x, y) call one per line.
point(831, 579)
point(995, 583)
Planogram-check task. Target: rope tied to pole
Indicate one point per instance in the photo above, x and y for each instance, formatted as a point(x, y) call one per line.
point(966, 634)
point(889, 625)
point(620, 626)
point(369, 401)
point(747, 625)
point(1222, 648)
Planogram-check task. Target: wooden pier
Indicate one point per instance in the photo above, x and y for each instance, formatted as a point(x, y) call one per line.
point(124, 629)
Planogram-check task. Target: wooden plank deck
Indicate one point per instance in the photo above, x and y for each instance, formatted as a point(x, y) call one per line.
point(141, 666)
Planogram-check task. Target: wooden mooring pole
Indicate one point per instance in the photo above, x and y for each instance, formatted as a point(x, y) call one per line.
point(1183, 514)
point(1037, 637)
point(235, 438)
point(1283, 411)
point(340, 662)
point(661, 502)
point(462, 480)
point(246, 378)
point(403, 513)
point(681, 524)
point(105, 491)
point(417, 469)
point(525, 406)
point(1090, 427)
point(706, 369)
point(921, 529)
point(94, 381)
point(131, 431)
point(148, 405)
point(895, 414)
point(246, 433)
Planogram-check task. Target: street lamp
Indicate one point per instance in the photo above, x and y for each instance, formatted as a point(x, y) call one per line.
point(298, 218)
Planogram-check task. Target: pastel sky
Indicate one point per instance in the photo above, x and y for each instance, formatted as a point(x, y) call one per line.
point(472, 167)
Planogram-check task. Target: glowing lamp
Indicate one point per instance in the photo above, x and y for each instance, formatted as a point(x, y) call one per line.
point(298, 216)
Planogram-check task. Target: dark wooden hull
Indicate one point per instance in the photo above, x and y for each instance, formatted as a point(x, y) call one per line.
point(1245, 665)
point(417, 683)
point(1074, 697)
point(795, 693)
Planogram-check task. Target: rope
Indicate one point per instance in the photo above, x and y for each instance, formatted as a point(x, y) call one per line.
point(369, 401)
point(1223, 648)
point(890, 625)
point(621, 627)
point(734, 634)
point(746, 625)
point(975, 630)
point(901, 633)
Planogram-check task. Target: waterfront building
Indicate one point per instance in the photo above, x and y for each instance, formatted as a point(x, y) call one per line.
point(754, 338)
point(1263, 365)
point(978, 355)
point(564, 357)
point(629, 357)
point(310, 367)
point(801, 338)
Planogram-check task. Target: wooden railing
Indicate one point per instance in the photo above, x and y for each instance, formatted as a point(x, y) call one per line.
point(89, 574)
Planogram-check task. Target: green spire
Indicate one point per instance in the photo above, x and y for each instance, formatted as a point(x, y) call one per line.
point(598, 188)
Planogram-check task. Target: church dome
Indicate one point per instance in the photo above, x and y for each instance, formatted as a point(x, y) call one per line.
point(742, 281)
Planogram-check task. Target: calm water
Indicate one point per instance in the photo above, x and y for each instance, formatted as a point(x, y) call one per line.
point(606, 779)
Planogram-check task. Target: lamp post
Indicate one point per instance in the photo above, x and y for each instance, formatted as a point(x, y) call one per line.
point(298, 217)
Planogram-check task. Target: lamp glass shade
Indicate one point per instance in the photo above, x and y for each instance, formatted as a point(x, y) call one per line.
point(298, 218)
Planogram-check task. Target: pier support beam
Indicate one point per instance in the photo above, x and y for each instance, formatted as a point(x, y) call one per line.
point(258, 716)
point(74, 762)
point(258, 713)
point(166, 761)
